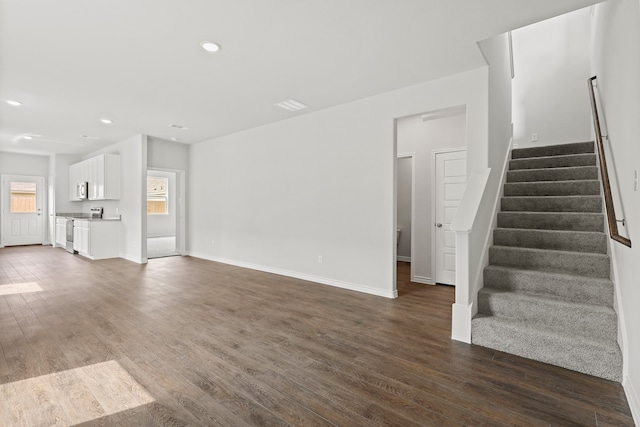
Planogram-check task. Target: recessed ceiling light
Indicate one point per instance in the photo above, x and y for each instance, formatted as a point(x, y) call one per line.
point(173, 138)
point(14, 103)
point(291, 105)
point(210, 46)
point(173, 125)
point(27, 137)
point(106, 121)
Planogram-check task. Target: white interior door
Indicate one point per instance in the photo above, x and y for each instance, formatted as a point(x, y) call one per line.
point(22, 210)
point(450, 182)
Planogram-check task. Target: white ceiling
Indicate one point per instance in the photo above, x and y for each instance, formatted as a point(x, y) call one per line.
point(139, 62)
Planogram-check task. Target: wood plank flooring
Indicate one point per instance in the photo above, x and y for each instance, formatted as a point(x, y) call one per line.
point(205, 344)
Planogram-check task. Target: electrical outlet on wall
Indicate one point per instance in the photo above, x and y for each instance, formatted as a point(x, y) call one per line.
point(319, 259)
point(534, 137)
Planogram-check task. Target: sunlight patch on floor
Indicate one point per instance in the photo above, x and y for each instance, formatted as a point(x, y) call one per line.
point(71, 397)
point(19, 288)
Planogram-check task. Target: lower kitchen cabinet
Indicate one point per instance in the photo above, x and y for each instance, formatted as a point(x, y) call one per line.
point(61, 231)
point(96, 239)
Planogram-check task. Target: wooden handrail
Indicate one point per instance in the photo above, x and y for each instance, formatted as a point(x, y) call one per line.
point(608, 199)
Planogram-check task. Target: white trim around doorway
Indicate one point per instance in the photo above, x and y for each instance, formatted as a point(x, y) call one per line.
point(412, 156)
point(434, 153)
point(181, 211)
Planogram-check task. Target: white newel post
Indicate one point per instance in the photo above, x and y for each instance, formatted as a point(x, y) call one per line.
point(462, 309)
point(462, 224)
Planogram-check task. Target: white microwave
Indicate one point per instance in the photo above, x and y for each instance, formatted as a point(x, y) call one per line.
point(82, 191)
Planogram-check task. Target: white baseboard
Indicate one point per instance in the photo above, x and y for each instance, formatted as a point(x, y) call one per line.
point(403, 258)
point(322, 280)
point(137, 260)
point(633, 399)
point(423, 280)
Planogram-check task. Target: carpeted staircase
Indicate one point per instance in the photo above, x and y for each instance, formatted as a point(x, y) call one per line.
point(547, 291)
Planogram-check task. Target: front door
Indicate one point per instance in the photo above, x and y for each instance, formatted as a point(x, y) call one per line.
point(22, 214)
point(450, 182)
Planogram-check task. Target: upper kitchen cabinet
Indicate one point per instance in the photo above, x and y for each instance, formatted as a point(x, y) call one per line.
point(76, 175)
point(102, 173)
point(104, 177)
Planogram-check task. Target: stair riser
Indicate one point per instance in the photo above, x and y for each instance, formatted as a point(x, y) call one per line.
point(559, 241)
point(551, 221)
point(592, 265)
point(561, 174)
point(553, 162)
point(561, 188)
point(578, 289)
point(592, 204)
point(553, 150)
point(575, 320)
point(582, 357)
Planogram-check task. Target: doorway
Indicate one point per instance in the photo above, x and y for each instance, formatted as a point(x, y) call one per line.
point(165, 213)
point(22, 210)
point(418, 136)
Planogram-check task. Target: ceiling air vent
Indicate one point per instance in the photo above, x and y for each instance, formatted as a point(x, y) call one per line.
point(173, 125)
point(291, 105)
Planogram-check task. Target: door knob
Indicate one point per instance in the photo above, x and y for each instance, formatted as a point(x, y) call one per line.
point(439, 225)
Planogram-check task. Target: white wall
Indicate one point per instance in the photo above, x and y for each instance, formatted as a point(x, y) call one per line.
point(163, 225)
point(616, 62)
point(132, 205)
point(405, 172)
point(61, 163)
point(496, 52)
point(24, 164)
point(550, 97)
point(163, 154)
point(422, 137)
point(320, 184)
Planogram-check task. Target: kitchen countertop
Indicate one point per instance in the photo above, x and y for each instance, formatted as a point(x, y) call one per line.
point(74, 215)
point(88, 217)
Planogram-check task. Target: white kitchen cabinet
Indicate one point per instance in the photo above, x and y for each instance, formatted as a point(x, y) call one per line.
point(105, 177)
point(92, 178)
point(75, 176)
point(96, 239)
point(81, 236)
point(102, 172)
point(61, 232)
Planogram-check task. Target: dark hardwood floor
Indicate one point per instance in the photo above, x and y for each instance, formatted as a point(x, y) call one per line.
point(183, 341)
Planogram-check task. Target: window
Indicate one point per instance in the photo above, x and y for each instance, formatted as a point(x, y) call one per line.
point(157, 195)
point(23, 197)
